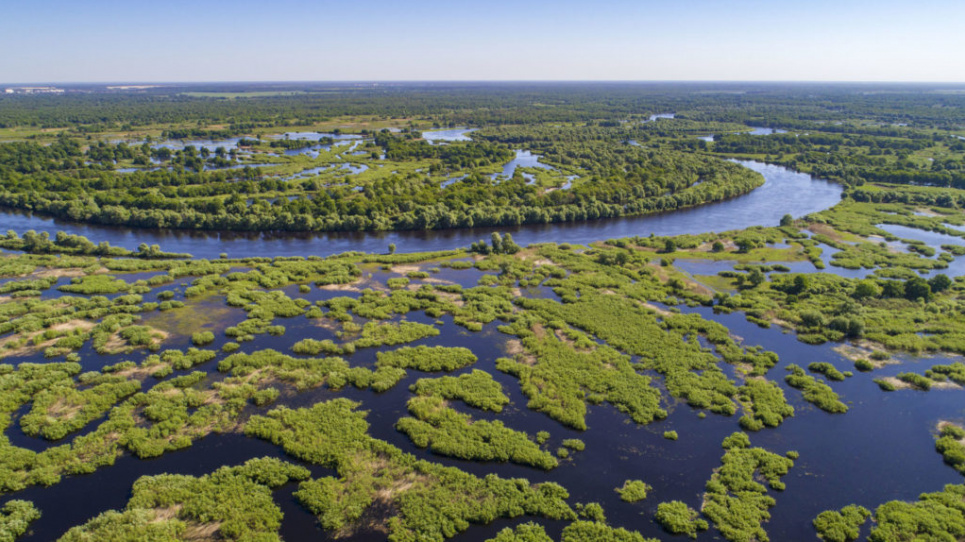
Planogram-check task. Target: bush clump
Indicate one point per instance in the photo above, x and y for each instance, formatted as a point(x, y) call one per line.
point(678, 518)
point(633, 491)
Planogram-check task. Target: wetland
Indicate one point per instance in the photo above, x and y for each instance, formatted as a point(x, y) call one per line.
point(738, 339)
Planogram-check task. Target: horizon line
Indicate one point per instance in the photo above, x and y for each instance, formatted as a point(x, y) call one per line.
point(477, 81)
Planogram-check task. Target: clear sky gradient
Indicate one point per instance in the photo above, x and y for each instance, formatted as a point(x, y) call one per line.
point(399, 40)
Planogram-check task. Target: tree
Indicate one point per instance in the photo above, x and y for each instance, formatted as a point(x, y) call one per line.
point(939, 283)
point(497, 242)
point(669, 246)
point(917, 288)
point(865, 289)
point(718, 246)
point(745, 244)
point(801, 285)
point(756, 277)
point(787, 220)
point(391, 248)
point(893, 288)
point(510, 246)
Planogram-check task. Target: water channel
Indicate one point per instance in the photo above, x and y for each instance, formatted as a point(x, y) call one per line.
point(784, 191)
point(882, 449)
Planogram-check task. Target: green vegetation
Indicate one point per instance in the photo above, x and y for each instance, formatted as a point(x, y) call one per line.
point(390, 334)
point(426, 358)
point(202, 338)
point(954, 372)
point(935, 516)
point(843, 526)
point(815, 391)
point(826, 369)
point(476, 389)
point(678, 518)
point(613, 324)
point(633, 491)
point(574, 444)
point(451, 433)
point(15, 518)
point(915, 380)
point(951, 444)
point(430, 502)
point(527, 532)
point(194, 190)
point(768, 407)
point(736, 503)
point(233, 503)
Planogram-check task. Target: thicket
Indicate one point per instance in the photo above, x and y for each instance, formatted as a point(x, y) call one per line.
point(447, 432)
point(841, 526)
point(633, 490)
point(429, 501)
point(734, 500)
point(678, 518)
point(815, 391)
point(476, 389)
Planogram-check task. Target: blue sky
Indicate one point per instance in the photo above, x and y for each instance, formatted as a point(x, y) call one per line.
point(286, 40)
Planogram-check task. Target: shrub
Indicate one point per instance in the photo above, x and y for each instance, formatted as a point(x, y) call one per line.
point(202, 338)
point(678, 518)
point(633, 491)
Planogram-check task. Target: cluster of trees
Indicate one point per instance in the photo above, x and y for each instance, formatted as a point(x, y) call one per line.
point(501, 244)
point(63, 181)
point(66, 243)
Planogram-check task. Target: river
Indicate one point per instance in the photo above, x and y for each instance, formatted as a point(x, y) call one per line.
point(784, 191)
point(842, 456)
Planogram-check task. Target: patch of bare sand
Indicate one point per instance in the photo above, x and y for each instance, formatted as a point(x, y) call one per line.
point(165, 514)
point(326, 323)
point(28, 346)
point(62, 409)
point(729, 245)
point(455, 299)
point(59, 272)
point(898, 384)
point(656, 309)
point(942, 424)
point(824, 229)
point(514, 347)
point(405, 269)
point(141, 371)
point(202, 532)
point(347, 287)
point(861, 351)
point(116, 345)
point(71, 325)
point(902, 385)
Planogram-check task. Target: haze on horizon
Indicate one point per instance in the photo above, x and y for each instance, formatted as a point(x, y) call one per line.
point(57, 41)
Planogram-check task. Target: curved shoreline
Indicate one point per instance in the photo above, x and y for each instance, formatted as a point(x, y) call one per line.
point(783, 191)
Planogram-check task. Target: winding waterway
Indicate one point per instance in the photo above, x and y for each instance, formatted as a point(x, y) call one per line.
point(784, 191)
point(841, 455)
